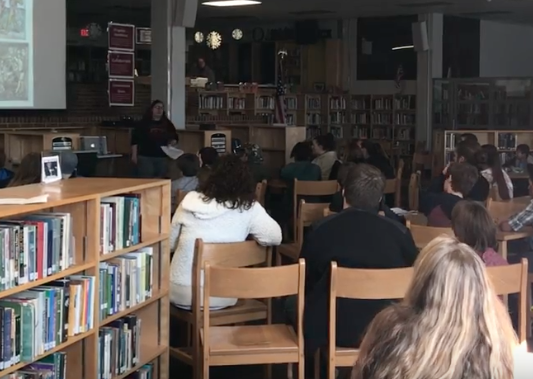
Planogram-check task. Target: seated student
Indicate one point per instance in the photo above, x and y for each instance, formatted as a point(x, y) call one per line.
point(189, 165)
point(467, 152)
point(354, 151)
point(438, 206)
point(301, 168)
point(325, 154)
point(223, 210)
point(469, 137)
point(522, 158)
point(473, 225)
point(450, 324)
point(253, 156)
point(377, 158)
point(357, 237)
point(491, 169)
point(68, 162)
point(5, 174)
point(28, 172)
point(208, 156)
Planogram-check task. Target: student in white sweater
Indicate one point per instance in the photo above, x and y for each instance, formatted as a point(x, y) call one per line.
point(223, 210)
point(324, 151)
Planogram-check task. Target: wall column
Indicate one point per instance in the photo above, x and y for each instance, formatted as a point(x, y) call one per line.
point(168, 59)
point(349, 49)
point(429, 66)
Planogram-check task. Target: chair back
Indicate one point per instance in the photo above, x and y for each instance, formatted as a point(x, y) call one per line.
point(367, 284)
point(395, 185)
point(513, 279)
point(328, 212)
point(180, 195)
point(307, 214)
point(310, 188)
point(238, 254)
point(414, 191)
point(260, 192)
point(502, 210)
point(422, 235)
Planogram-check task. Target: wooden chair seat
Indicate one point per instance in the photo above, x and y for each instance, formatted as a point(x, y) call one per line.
point(243, 311)
point(290, 250)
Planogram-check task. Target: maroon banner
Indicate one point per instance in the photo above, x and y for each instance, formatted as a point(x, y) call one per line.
point(121, 36)
point(121, 65)
point(121, 93)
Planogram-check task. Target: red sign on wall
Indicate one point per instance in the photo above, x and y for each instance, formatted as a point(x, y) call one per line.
point(121, 93)
point(121, 65)
point(121, 36)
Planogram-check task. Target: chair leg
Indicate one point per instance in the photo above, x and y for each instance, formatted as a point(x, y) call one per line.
point(317, 364)
point(205, 369)
point(289, 371)
point(301, 368)
point(278, 259)
point(268, 371)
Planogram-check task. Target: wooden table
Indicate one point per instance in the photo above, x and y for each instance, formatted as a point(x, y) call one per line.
point(518, 175)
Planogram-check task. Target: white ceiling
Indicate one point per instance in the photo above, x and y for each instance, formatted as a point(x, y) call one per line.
point(137, 11)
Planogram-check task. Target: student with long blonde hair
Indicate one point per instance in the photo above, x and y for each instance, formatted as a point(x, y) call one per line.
point(451, 324)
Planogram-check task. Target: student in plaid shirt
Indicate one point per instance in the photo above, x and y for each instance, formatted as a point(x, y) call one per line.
point(524, 218)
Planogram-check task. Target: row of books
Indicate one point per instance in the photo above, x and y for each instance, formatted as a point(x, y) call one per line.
point(145, 372)
point(34, 248)
point(120, 222)
point(119, 346)
point(125, 281)
point(53, 366)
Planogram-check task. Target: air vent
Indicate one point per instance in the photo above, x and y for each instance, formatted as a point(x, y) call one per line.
point(317, 12)
point(486, 14)
point(426, 4)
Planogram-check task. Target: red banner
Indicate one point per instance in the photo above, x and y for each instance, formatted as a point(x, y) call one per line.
point(121, 93)
point(121, 65)
point(121, 37)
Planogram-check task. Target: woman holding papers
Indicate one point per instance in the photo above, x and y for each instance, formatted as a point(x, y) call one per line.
point(154, 132)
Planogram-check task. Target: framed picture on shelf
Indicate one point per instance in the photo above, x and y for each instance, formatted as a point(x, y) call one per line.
point(319, 87)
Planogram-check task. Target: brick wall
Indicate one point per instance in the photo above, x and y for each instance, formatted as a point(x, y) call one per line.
point(87, 105)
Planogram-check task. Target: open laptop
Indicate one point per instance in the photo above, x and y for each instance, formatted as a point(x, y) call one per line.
point(97, 144)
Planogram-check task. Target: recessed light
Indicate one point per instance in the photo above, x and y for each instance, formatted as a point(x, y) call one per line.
point(231, 3)
point(403, 47)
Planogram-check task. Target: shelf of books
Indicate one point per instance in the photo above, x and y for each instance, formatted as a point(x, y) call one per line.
point(84, 288)
point(445, 142)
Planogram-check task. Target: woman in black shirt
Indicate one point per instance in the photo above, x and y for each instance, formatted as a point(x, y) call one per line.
point(153, 132)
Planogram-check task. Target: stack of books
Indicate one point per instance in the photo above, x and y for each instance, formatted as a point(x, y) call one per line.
point(53, 366)
point(125, 281)
point(120, 222)
point(34, 248)
point(35, 321)
point(119, 345)
point(145, 372)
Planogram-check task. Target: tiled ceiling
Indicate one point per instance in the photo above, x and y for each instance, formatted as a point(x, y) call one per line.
point(138, 11)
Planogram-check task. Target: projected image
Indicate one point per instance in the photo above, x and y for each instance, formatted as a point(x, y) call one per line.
point(16, 55)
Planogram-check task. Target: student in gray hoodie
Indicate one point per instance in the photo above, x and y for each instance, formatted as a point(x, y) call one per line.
point(189, 165)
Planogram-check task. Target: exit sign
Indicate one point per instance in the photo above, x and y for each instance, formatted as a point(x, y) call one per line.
point(84, 32)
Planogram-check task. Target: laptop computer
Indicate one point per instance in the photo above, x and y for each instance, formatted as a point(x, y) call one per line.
point(97, 144)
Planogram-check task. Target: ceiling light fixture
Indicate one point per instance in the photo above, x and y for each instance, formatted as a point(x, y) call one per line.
point(403, 47)
point(231, 3)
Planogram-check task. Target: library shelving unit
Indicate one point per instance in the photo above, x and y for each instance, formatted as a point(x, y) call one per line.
point(445, 141)
point(81, 199)
point(314, 114)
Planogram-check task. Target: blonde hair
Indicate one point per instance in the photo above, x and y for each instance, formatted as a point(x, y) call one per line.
point(450, 325)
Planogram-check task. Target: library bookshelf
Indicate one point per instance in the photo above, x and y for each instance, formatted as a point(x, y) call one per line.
point(82, 201)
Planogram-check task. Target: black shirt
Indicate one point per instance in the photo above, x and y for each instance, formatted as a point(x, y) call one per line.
point(150, 136)
point(353, 238)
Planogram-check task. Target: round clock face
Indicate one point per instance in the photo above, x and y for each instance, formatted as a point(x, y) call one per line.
point(214, 40)
point(237, 34)
point(199, 37)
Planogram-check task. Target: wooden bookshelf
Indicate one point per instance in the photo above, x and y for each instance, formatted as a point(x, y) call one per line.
point(81, 199)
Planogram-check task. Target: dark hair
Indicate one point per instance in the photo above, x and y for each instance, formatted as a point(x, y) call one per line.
point(469, 151)
point(230, 183)
point(468, 137)
point(364, 186)
point(343, 172)
point(327, 141)
point(189, 164)
point(490, 158)
point(523, 148)
point(463, 177)
point(354, 152)
point(209, 156)
point(302, 152)
point(373, 148)
point(473, 225)
point(29, 171)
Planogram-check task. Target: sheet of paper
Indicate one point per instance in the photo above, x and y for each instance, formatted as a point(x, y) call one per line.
point(22, 201)
point(172, 152)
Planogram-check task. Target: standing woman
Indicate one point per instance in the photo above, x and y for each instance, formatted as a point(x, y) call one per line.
point(153, 132)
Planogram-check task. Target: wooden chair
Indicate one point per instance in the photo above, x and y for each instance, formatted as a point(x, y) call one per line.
point(253, 344)
point(395, 185)
point(240, 254)
point(311, 188)
point(422, 159)
point(414, 191)
point(260, 192)
point(502, 210)
point(514, 279)
point(307, 214)
point(422, 235)
point(180, 195)
point(368, 284)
